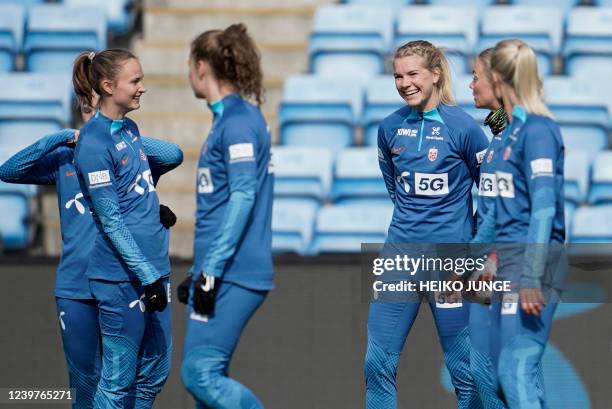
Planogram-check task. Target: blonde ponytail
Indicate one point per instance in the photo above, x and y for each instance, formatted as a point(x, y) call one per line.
point(516, 62)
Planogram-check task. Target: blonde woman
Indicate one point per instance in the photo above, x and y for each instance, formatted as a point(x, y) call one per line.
point(529, 222)
point(429, 155)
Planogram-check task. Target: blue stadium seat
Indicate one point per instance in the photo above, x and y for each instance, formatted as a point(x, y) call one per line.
point(25, 3)
point(14, 230)
point(304, 172)
point(343, 227)
point(394, 4)
point(454, 28)
point(469, 3)
point(320, 111)
point(56, 34)
point(592, 224)
point(564, 5)
point(580, 108)
point(33, 105)
point(12, 19)
point(540, 27)
point(601, 182)
point(120, 18)
point(569, 211)
point(350, 40)
point(577, 173)
point(381, 99)
point(358, 177)
point(588, 42)
point(292, 225)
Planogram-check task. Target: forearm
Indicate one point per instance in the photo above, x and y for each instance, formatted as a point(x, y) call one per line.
point(163, 156)
point(21, 167)
point(237, 213)
point(115, 229)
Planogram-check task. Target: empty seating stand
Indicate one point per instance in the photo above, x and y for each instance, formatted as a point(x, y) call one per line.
point(601, 182)
point(592, 224)
point(350, 40)
point(358, 177)
point(320, 111)
point(381, 100)
point(56, 34)
point(118, 13)
point(588, 43)
point(12, 18)
point(540, 27)
point(292, 225)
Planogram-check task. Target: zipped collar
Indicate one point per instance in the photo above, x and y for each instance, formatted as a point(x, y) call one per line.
point(218, 107)
point(432, 115)
point(116, 124)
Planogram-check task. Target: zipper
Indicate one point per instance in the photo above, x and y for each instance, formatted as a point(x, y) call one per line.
point(128, 143)
point(421, 131)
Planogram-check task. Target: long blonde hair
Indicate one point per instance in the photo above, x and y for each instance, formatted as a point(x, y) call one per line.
point(434, 58)
point(516, 63)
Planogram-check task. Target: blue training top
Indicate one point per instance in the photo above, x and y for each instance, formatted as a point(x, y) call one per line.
point(49, 161)
point(429, 161)
point(118, 184)
point(234, 185)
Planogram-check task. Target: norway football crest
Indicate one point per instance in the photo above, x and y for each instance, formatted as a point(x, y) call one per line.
point(507, 153)
point(490, 156)
point(433, 154)
point(142, 155)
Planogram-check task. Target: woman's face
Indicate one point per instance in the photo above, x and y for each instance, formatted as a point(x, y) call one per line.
point(482, 88)
point(415, 83)
point(87, 111)
point(125, 90)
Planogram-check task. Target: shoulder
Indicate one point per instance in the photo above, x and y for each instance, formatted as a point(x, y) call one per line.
point(542, 128)
point(131, 125)
point(456, 118)
point(396, 117)
point(94, 137)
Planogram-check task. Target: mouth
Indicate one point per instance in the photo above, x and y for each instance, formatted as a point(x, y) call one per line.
point(410, 93)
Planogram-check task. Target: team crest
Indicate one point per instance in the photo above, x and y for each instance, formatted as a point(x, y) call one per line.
point(507, 153)
point(433, 154)
point(490, 156)
point(142, 155)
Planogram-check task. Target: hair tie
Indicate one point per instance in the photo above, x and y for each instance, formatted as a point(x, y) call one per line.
point(91, 56)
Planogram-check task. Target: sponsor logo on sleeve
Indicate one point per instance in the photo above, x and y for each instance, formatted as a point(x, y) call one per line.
point(205, 183)
point(431, 184)
point(487, 185)
point(241, 152)
point(505, 184)
point(98, 179)
point(541, 167)
point(480, 156)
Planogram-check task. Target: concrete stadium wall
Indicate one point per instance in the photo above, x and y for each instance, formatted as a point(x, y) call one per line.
point(303, 349)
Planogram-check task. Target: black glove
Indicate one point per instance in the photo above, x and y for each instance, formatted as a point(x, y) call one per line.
point(182, 292)
point(204, 294)
point(156, 296)
point(166, 216)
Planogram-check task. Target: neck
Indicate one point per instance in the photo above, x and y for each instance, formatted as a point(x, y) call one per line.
point(218, 91)
point(111, 110)
point(431, 103)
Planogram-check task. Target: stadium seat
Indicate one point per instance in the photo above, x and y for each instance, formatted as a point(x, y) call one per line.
point(381, 99)
point(12, 19)
point(14, 230)
point(601, 183)
point(304, 172)
point(358, 177)
point(56, 34)
point(592, 224)
point(540, 27)
point(350, 40)
point(292, 225)
point(469, 3)
point(25, 3)
point(343, 227)
point(577, 171)
point(320, 111)
point(394, 4)
point(564, 5)
point(454, 28)
point(588, 42)
point(580, 108)
point(33, 105)
point(570, 209)
point(120, 19)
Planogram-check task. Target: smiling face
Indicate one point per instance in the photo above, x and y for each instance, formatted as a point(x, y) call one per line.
point(415, 83)
point(482, 88)
point(126, 88)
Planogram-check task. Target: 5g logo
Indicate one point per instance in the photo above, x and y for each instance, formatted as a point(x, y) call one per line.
point(148, 179)
point(205, 184)
point(431, 184)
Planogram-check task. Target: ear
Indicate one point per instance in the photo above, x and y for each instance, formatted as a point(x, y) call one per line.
point(107, 86)
point(435, 73)
point(201, 68)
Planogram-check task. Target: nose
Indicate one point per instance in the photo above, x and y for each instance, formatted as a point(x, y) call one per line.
point(472, 85)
